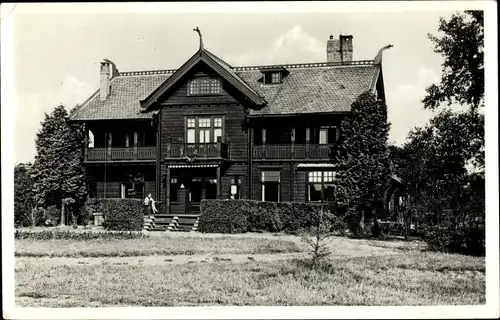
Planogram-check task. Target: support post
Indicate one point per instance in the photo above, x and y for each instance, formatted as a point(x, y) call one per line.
point(308, 141)
point(167, 191)
point(292, 146)
point(110, 144)
point(219, 183)
point(263, 143)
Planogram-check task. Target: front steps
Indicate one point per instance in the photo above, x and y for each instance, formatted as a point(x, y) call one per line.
point(171, 222)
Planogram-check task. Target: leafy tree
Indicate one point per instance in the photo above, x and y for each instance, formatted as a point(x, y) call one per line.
point(24, 198)
point(57, 171)
point(363, 157)
point(462, 47)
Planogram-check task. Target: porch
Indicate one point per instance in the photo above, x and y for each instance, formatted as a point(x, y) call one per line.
point(291, 138)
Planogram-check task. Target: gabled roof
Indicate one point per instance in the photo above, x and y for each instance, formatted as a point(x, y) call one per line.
point(308, 88)
point(221, 67)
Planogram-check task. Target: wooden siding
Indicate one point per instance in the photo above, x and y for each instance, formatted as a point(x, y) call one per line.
point(228, 104)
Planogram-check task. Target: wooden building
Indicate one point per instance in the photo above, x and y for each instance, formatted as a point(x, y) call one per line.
point(209, 130)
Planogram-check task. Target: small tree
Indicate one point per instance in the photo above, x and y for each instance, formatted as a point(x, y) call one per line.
point(319, 236)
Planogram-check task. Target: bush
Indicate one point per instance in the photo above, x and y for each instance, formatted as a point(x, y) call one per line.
point(464, 237)
point(52, 216)
point(122, 214)
point(237, 216)
point(87, 210)
point(71, 235)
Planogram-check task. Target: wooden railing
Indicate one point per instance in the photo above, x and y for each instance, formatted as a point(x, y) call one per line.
point(298, 151)
point(120, 153)
point(198, 150)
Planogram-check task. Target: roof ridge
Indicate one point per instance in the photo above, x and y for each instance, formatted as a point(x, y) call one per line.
point(256, 67)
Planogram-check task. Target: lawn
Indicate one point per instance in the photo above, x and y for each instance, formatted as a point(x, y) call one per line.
point(154, 245)
point(359, 272)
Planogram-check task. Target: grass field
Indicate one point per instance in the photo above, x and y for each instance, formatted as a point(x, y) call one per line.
point(359, 272)
point(150, 246)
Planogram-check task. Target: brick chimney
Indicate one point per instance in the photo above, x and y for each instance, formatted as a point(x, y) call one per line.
point(339, 50)
point(108, 72)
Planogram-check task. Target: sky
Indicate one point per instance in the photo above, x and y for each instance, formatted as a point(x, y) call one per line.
point(56, 55)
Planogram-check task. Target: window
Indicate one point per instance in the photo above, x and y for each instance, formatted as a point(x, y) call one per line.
point(272, 78)
point(191, 130)
point(204, 86)
point(324, 135)
point(174, 189)
point(217, 128)
point(321, 186)
point(90, 139)
point(235, 188)
point(270, 186)
point(204, 129)
point(132, 190)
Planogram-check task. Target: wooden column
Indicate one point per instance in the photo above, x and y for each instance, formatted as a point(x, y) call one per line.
point(110, 144)
point(135, 145)
point(263, 143)
point(308, 140)
point(292, 182)
point(219, 184)
point(167, 191)
point(292, 146)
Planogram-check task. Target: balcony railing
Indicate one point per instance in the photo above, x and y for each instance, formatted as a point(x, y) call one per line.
point(198, 150)
point(119, 153)
point(298, 151)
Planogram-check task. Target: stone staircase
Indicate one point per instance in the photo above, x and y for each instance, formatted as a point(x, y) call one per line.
point(171, 222)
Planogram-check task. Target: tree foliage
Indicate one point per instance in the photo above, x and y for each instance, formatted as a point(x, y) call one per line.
point(57, 171)
point(462, 47)
point(24, 198)
point(362, 155)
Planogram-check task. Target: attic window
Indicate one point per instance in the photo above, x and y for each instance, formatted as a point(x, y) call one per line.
point(274, 75)
point(272, 78)
point(204, 87)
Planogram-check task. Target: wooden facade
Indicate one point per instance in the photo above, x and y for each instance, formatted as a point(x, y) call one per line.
point(205, 131)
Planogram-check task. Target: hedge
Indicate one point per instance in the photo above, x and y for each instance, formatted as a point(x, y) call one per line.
point(238, 216)
point(120, 214)
point(78, 236)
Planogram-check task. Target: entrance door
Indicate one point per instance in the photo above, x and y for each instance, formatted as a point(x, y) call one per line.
point(194, 196)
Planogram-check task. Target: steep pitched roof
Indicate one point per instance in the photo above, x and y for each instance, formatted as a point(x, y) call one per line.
point(308, 88)
point(221, 67)
point(312, 89)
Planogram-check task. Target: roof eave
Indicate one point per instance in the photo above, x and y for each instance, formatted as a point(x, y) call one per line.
point(296, 114)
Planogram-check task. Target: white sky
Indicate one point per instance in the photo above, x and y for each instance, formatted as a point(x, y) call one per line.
point(57, 55)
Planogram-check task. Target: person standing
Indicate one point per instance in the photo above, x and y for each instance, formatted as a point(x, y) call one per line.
point(149, 205)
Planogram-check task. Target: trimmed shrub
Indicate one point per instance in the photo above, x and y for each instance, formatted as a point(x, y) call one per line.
point(238, 216)
point(122, 214)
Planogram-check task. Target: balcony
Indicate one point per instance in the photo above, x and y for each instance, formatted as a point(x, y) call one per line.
point(298, 151)
point(120, 154)
point(217, 150)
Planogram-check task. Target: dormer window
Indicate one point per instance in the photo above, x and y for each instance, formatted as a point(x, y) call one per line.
point(274, 75)
point(198, 87)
